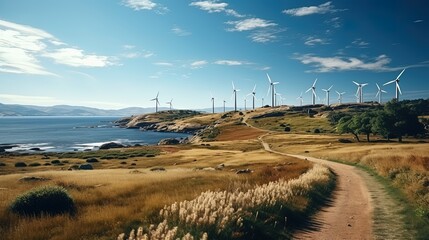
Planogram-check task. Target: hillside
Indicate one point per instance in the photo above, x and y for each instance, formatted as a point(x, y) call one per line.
point(66, 110)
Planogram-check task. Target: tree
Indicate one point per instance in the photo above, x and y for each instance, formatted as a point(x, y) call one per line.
point(362, 123)
point(346, 125)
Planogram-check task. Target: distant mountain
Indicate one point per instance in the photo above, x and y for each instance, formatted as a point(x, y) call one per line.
point(66, 110)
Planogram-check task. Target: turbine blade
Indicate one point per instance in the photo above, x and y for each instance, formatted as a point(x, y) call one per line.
point(233, 86)
point(400, 74)
point(329, 89)
point(355, 83)
point(308, 90)
point(314, 92)
point(383, 91)
point(338, 93)
point(269, 88)
point(377, 86)
point(324, 90)
point(275, 83)
point(269, 79)
point(300, 95)
point(363, 85)
point(397, 85)
point(378, 93)
point(357, 92)
point(389, 82)
point(314, 84)
point(254, 89)
point(157, 95)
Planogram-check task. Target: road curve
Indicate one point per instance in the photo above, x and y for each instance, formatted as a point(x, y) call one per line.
point(349, 215)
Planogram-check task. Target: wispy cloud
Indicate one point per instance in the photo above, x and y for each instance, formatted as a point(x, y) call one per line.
point(335, 64)
point(215, 7)
point(250, 24)
point(139, 5)
point(230, 62)
point(180, 32)
point(360, 43)
point(418, 21)
point(199, 64)
point(164, 64)
point(21, 48)
point(311, 41)
point(77, 58)
point(128, 47)
point(334, 22)
point(305, 11)
point(24, 99)
point(131, 52)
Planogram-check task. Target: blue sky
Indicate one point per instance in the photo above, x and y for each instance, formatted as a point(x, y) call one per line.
point(114, 54)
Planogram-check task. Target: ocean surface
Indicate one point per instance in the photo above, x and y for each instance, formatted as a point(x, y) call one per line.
point(60, 134)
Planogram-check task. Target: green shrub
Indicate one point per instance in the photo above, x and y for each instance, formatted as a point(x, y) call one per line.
point(2, 164)
point(35, 164)
point(20, 164)
point(316, 130)
point(56, 161)
point(50, 200)
point(91, 160)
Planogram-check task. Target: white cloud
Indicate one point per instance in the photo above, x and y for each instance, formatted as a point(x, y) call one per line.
point(213, 6)
point(180, 32)
point(76, 58)
point(311, 41)
point(331, 64)
point(360, 43)
point(334, 22)
point(418, 21)
point(164, 64)
point(250, 24)
point(140, 4)
point(230, 62)
point(131, 55)
point(22, 46)
point(198, 64)
point(128, 47)
point(304, 11)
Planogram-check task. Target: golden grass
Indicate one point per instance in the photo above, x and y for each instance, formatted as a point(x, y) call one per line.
point(238, 132)
point(115, 197)
point(405, 164)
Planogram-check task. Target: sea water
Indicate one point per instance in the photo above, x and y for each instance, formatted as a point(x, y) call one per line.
point(58, 134)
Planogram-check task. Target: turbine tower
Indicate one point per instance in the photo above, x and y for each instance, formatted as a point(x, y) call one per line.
point(276, 101)
point(340, 96)
point(245, 104)
point(359, 92)
point(272, 90)
point(212, 102)
point(170, 103)
point(156, 102)
point(300, 99)
point(234, 92)
point(262, 100)
point(398, 89)
point(379, 93)
point(224, 105)
point(313, 88)
point(327, 94)
point(253, 93)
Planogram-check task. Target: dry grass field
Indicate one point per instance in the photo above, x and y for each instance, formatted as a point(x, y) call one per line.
point(405, 164)
point(118, 196)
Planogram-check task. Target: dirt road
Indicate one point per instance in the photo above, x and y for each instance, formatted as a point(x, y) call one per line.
point(351, 214)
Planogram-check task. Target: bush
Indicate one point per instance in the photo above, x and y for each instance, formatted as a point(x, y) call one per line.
point(316, 130)
point(55, 161)
point(2, 164)
point(91, 160)
point(51, 200)
point(35, 164)
point(20, 164)
point(287, 129)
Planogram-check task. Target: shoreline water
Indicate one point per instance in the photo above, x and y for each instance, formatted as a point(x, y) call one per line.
point(71, 134)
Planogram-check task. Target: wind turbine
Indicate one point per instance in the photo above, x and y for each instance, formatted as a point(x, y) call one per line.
point(262, 102)
point(379, 92)
point(245, 104)
point(300, 99)
point(398, 89)
point(359, 92)
point(224, 105)
point(340, 96)
point(277, 95)
point(234, 92)
point(170, 103)
point(212, 102)
point(272, 90)
point(253, 93)
point(313, 88)
point(156, 102)
point(327, 94)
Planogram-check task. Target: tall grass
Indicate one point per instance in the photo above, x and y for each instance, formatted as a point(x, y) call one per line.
point(226, 214)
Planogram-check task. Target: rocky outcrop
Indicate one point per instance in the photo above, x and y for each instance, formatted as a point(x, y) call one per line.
point(168, 141)
point(111, 145)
